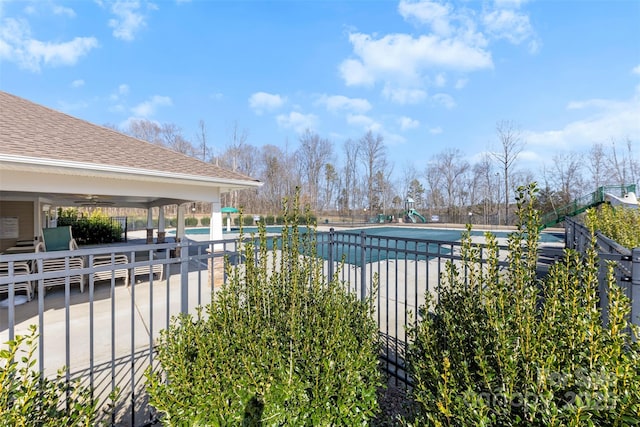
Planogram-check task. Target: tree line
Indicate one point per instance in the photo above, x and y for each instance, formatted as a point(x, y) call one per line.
point(362, 183)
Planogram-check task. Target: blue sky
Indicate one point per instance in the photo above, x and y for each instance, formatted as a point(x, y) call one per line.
point(425, 75)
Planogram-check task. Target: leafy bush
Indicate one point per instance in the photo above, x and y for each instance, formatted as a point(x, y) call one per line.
point(247, 221)
point(96, 228)
point(269, 220)
point(277, 346)
point(205, 221)
point(29, 399)
point(620, 224)
point(502, 348)
point(191, 222)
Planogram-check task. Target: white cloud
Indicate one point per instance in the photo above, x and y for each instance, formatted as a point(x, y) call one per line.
point(263, 101)
point(216, 96)
point(606, 119)
point(121, 91)
point(364, 122)
point(404, 95)
point(509, 25)
point(355, 73)
point(17, 45)
point(461, 83)
point(337, 103)
point(448, 37)
point(401, 56)
point(440, 80)
point(407, 123)
point(77, 83)
point(435, 131)
point(636, 70)
point(148, 108)
point(128, 19)
point(297, 121)
point(445, 99)
point(66, 11)
point(434, 14)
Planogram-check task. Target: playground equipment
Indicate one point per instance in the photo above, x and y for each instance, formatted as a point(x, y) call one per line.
point(410, 214)
point(617, 195)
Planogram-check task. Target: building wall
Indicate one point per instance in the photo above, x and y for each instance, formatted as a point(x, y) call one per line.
point(23, 211)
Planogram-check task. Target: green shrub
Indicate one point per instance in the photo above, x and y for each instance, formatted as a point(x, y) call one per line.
point(29, 399)
point(205, 221)
point(190, 222)
point(269, 220)
point(94, 229)
point(502, 348)
point(247, 221)
point(620, 224)
point(278, 346)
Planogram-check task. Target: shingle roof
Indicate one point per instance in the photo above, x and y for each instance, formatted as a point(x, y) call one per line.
point(32, 130)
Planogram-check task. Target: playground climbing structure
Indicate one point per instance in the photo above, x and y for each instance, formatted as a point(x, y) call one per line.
point(615, 194)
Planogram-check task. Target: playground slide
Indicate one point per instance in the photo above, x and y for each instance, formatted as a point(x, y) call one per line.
point(629, 200)
point(603, 194)
point(414, 215)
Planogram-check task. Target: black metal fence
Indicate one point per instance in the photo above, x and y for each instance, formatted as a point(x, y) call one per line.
point(626, 264)
point(105, 334)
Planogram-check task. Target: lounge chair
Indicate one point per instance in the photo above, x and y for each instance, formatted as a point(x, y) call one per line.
point(58, 239)
point(58, 264)
point(119, 273)
point(19, 269)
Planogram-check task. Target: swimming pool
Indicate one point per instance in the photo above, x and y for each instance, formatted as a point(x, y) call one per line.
point(382, 243)
point(436, 234)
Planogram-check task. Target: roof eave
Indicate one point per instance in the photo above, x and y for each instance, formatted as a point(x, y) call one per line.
point(93, 169)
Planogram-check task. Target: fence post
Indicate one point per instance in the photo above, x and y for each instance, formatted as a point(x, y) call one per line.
point(330, 254)
point(183, 246)
point(363, 267)
point(635, 286)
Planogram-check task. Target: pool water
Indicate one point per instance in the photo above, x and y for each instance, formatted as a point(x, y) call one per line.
point(413, 243)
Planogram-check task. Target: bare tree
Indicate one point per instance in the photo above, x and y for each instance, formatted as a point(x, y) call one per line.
point(348, 191)
point(482, 185)
point(623, 164)
point(329, 186)
point(565, 176)
point(597, 166)
point(451, 167)
point(202, 139)
point(373, 156)
point(511, 145)
point(434, 181)
point(409, 176)
point(146, 130)
point(314, 153)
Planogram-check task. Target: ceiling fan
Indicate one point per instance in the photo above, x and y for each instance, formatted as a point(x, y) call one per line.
point(93, 201)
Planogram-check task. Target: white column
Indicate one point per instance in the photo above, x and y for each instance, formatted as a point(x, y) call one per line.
point(161, 218)
point(215, 227)
point(180, 226)
point(216, 263)
point(161, 232)
point(149, 225)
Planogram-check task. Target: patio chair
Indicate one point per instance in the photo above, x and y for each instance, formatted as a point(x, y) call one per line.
point(119, 273)
point(19, 269)
point(58, 239)
point(58, 264)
